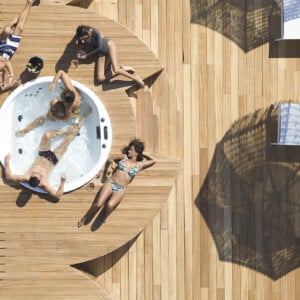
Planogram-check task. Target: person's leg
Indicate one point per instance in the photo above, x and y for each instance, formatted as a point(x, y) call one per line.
point(70, 133)
point(35, 123)
point(112, 49)
point(113, 202)
point(100, 65)
point(45, 143)
point(105, 193)
point(8, 28)
point(19, 27)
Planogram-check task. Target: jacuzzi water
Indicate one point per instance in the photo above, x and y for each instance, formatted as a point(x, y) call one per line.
point(85, 155)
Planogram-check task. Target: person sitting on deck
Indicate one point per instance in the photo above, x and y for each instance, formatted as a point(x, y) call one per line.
point(65, 109)
point(125, 167)
point(10, 38)
point(37, 175)
point(106, 52)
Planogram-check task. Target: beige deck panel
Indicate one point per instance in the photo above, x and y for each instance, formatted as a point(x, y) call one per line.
point(207, 83)
point(39, 239)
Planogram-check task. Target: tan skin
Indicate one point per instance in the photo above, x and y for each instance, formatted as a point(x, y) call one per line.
point(7, 81)
point(39, 169)
point(42, 166)
point(71, 109)
point(57, 107)
point(112, 199)
point(104, 61)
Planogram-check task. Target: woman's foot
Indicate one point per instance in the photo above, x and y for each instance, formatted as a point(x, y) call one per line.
point(79, 223)
point(128, 69)
point(140, 81)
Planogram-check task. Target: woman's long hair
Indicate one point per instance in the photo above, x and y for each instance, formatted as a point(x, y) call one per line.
point(81, 32)
point(139, 147)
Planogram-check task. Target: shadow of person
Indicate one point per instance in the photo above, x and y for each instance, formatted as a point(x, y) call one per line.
point(102, 216)
point(116, 84)
point(23, 198)
point(26, 76)
point(69, 54)
point(91, 215)
point(100, 219)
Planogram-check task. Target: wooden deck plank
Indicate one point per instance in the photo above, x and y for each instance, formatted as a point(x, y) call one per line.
point(38, 232)
point(248, 80)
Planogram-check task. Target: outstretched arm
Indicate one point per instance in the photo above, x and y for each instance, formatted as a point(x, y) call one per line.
point(8, 174)
point(148, 161)
point(52, 191)
point(65, 78)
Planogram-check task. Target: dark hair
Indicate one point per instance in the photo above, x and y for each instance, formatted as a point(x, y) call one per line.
point(68, 95)
point(34, 181)
point(81, 32)
point(139, 147)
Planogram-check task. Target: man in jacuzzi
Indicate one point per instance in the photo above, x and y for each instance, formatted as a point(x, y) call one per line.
point(37, 175)
point(10, 38)
point(65, 109)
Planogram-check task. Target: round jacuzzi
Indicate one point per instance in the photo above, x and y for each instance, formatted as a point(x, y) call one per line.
point(86, 154)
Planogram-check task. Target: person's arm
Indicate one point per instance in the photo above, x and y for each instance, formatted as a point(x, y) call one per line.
point(10, 70)
point(52, 191)
point(97, 47)
point(8, 174)
point(8, 81)
point(148, 161)
point(65, 78)
point(114, 158)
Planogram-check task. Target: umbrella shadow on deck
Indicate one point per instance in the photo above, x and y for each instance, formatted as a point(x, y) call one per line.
point(251, 204)
point(246, 22)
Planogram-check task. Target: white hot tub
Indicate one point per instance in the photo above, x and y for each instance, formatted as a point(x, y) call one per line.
point(86, 154)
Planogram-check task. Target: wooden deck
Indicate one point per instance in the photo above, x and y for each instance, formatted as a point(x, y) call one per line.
point(157, 243)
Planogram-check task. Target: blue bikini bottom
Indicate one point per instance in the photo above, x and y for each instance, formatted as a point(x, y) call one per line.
point(116, 187)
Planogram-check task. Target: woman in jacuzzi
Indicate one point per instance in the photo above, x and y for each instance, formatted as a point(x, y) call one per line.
point(65, 109)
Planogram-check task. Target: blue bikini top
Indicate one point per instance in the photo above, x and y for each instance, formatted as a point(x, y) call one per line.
point(132, 172)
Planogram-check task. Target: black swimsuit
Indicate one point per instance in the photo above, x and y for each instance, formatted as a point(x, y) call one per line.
point(99, 44)
point(48, 154)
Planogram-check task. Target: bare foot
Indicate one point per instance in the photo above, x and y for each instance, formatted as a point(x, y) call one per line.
point(79, 223)
point(128, 69)
point(20, 133)
point(140, 81)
